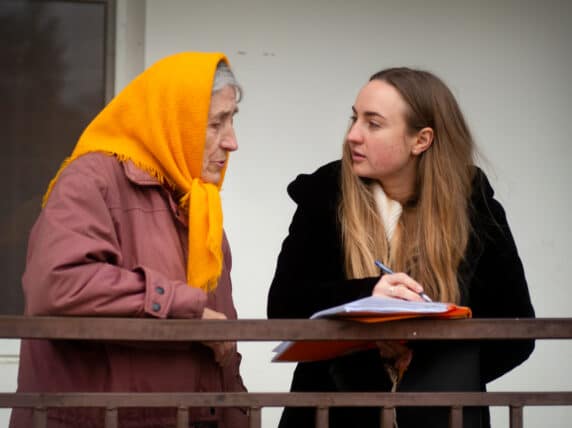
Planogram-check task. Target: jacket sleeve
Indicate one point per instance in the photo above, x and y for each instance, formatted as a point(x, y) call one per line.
point(309, 273)
point(499, 290)
point(74, 261)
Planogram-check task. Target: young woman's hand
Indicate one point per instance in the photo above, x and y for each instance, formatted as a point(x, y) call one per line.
point(399, 286)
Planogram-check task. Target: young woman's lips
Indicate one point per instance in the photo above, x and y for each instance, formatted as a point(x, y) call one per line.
point(357, 157)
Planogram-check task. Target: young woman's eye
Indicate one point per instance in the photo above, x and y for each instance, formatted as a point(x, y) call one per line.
point(353, 118)
point(214, 126)
point(374, 125)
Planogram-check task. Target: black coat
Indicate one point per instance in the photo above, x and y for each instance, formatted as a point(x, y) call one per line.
point(310, 277)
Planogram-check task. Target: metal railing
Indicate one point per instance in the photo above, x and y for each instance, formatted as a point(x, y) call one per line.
point(271, 330)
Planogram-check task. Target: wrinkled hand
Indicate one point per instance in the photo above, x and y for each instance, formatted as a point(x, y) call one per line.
point(397, 353)
point(223, 351)
point(398, 286)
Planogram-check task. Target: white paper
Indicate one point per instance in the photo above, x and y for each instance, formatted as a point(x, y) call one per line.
point(384, 305)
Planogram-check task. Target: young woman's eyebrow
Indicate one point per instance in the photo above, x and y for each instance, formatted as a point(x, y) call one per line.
point(374, 113)
point(369, 113)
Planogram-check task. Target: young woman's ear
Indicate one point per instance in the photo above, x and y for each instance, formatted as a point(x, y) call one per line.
point(423, 141)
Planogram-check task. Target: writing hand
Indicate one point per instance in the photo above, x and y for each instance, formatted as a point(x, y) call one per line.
point(399, 286)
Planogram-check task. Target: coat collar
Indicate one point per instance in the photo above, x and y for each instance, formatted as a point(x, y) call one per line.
point(137, 175)
point(142, 178)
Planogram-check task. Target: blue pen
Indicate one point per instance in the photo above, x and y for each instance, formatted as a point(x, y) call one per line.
point(389, 271)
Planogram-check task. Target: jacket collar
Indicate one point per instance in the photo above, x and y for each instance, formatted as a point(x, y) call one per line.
point(138, 176)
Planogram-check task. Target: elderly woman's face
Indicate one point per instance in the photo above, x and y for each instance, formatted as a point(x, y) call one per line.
point(220, 138)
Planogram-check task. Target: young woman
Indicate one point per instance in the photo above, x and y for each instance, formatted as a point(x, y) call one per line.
point(405, 192)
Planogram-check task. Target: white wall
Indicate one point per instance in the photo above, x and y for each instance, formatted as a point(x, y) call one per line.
point(302, 62)
point(8, 372)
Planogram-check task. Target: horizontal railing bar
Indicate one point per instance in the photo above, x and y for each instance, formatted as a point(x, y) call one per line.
point(296, 399)
point(267, 330)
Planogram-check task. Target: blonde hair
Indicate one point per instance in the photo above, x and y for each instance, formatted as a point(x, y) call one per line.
point(434, 228)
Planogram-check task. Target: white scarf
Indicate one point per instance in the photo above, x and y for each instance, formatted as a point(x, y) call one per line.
point(389, 210)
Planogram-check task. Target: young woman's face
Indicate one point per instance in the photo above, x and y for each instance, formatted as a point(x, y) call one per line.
point(220, 138)
point(380, 145)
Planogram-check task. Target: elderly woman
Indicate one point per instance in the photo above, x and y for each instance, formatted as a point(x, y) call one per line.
point(132, 227)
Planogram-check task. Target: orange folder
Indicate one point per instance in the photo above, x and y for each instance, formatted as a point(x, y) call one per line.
point(367, 310)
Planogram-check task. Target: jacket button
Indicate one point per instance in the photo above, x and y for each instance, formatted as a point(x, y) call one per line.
point(160, 290)
point(156, 307)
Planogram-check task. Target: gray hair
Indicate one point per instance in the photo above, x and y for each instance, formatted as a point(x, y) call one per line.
point(225, 77)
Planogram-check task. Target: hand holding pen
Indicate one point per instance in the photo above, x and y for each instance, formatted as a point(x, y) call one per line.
point(400, 285)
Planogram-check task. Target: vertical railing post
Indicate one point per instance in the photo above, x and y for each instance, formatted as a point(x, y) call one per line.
point(111, 417)
point(322, 417)
point(255, 417)
point(456, 417)
point(182, 417)
point(515, 416)
point(40, 417)
point(388, 417)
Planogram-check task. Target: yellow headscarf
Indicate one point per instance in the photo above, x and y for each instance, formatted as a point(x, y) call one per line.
point(159, 122)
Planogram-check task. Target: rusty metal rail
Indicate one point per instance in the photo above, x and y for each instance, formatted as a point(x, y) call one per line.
point(87, 328)
point(76, 328)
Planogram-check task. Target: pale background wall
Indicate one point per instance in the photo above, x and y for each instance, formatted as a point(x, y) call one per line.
point(301, 64)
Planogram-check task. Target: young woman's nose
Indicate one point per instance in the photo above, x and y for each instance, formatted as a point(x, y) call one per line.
point(354, 134)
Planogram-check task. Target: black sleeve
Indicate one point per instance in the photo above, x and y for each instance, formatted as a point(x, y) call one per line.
point(309, 274)
point(499, 289)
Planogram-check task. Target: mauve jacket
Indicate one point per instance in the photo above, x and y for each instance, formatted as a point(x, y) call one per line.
point(111, 242)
